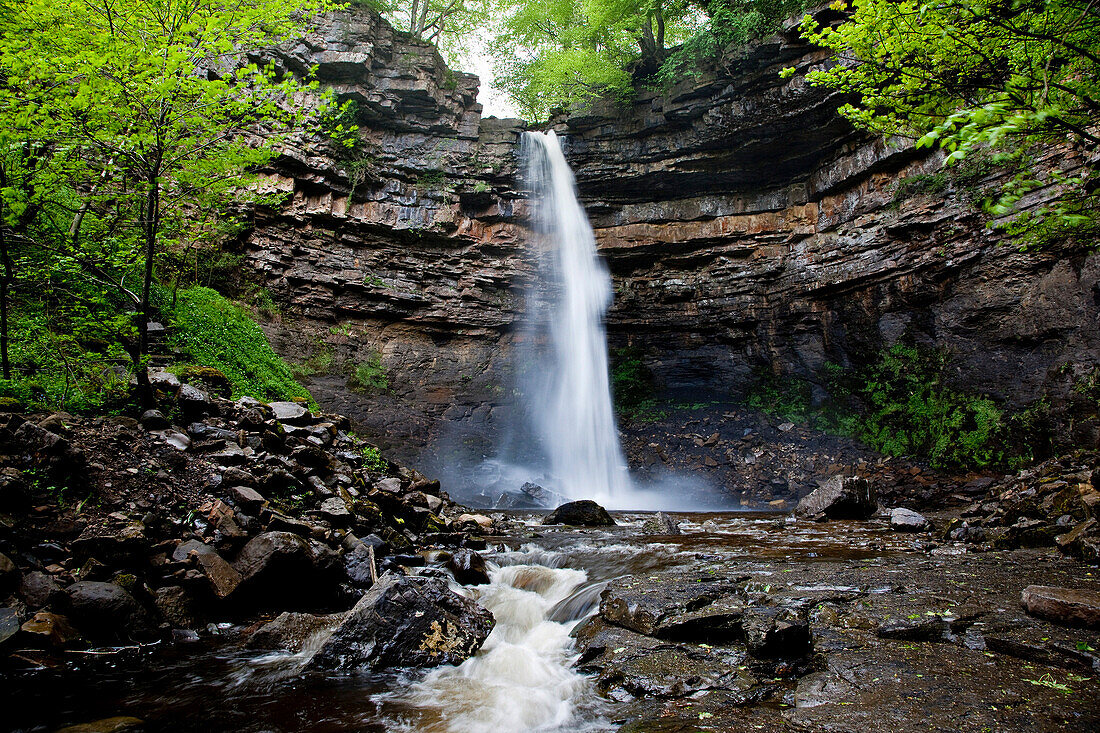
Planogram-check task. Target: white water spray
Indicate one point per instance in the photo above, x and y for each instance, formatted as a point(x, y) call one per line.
point(573, 413)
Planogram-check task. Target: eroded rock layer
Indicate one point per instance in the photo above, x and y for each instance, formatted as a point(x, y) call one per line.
point(746, 225)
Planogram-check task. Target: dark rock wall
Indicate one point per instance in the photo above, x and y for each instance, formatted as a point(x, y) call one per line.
point(746, 225)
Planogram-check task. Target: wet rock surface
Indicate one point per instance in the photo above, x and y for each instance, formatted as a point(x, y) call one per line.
point(405, 622)
point(1067, 606)
point(583, 513)
point(785, 626)
point(741, 622)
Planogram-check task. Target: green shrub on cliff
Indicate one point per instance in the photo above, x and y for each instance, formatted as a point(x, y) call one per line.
point(370, 375)
point(911, 412)
point(899, 406)
point(215, 332)
point(632, 387)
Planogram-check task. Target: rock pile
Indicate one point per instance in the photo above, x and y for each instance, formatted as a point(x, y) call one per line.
point(1054, 503)
point(115, 529)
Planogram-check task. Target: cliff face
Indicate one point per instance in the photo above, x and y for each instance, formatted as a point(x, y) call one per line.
point(403, 250)
point(746, 225)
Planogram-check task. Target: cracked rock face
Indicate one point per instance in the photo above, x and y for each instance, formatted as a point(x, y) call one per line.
point(745, 224)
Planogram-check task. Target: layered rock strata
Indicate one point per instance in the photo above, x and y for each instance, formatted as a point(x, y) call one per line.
point(746, 225)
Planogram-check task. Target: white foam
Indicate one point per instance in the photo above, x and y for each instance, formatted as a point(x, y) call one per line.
point(522, 677)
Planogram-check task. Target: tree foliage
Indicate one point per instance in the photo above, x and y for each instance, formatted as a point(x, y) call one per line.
point(978, 75)
point(562, 53)
point(446, 23)
point(127, 129)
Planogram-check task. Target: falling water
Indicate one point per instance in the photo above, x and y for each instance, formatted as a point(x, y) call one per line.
point(572, 405)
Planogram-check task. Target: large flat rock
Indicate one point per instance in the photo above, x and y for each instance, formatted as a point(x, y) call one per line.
point(1063, 605)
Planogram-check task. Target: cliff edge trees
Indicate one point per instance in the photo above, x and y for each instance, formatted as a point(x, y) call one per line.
point(562, 53)
point(972, 76)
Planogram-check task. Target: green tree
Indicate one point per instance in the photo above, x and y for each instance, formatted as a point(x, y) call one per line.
point(143, 115)
point(561, 53)
point(979, 75)
point(729, 23)
point(449, 24)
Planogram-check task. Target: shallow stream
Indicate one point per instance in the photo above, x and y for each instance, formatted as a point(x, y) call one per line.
point(545, 581)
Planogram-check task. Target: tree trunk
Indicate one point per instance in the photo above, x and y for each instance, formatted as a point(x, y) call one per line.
point(660, 44)
point(5, 282)
point(647, 42)
point(422, 24)
point(152, 224)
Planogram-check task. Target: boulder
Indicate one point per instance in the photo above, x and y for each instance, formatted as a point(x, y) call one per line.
point(154, 420)
point(247, 498)
point(13, 490)
point(223, 579)
point(164, 380)
point(907, 520)
point(420, 499)
point(285, 569)
point(840, 497)
point(389, 485)
point(1063, 605)
point(584, 513)
point(102, 610)
point(176, 606)
point(529, 496)
point(292, 413)
point(661, 523)
point(360, 567)
point(194, 403)
point(175, 438)
point(335, 510)
point(1082, 542)
point(294, 631)
point(237, 477)
point(9, 574)
point(9, 624)
point(406, 622)
point(38, 589)
point(50, 629)
point(185, 550)
point(472, 523)
point(468, 567)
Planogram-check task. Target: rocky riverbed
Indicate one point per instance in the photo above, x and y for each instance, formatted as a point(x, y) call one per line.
point(745, 621)
point(235, 565)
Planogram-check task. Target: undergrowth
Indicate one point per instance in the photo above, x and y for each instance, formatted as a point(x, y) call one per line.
point(632, 387)
point(370, 375)
point(900, 405)
point(212, 331)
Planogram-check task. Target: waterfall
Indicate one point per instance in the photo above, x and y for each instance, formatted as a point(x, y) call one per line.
point(570, 401)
